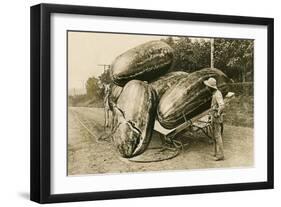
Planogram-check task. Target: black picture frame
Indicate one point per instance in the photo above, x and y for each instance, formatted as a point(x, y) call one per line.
point(41, 102)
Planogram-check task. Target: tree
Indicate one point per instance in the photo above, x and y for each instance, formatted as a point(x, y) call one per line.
point(105, 77)
point(94, 91)
point(95, 86)
point(189, 54)
point(201, 53)
point(235, 58)
point(182, 54)
point(169, 40)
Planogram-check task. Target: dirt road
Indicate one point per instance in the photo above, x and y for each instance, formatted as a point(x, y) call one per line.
point(88, 155)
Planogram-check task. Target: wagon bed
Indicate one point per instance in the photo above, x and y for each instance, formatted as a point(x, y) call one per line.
point(195, 124)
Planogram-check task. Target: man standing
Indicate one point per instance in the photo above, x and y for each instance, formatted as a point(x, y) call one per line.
point(216, 116)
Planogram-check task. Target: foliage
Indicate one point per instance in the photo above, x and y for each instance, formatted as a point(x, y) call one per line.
point(242, 89)
point(189, 55)
point(234, 57)
point(94, 89)
point(105, 77)
point(240, 111)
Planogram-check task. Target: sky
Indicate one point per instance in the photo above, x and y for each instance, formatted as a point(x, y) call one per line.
point(86, 50)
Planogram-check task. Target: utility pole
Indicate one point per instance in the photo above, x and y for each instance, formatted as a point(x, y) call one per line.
point(212, 52)
point(105, 66)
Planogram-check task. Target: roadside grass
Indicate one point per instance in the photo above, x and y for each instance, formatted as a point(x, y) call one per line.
point(84, 101)
point(240, 112)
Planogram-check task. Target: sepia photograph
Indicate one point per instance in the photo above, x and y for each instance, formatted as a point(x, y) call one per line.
point(129, 103)
point(148, 102)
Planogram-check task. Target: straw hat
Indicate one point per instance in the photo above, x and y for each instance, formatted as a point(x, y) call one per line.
point(211, 82)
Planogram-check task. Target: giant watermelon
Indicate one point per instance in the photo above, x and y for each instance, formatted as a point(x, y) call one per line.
point(189, 97)
point(135, 111)
point(144, 62)
point(167, 81)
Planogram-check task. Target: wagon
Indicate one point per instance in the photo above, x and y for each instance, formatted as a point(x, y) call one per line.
point(198, 123)
point(171, 138)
